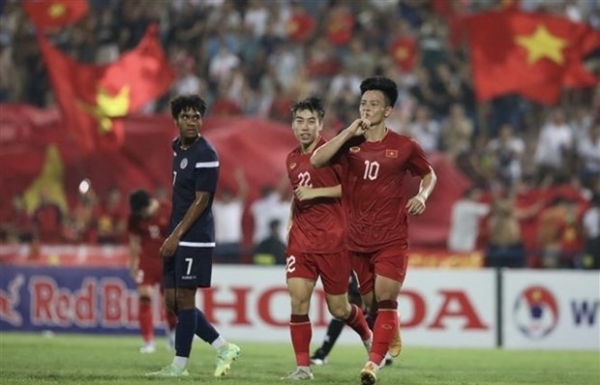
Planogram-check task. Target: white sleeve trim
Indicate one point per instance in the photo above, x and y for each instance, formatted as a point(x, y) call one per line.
point(197, 244)
point(207, 164)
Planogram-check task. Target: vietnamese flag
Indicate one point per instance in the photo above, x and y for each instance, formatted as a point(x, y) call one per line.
point(340, 26)
point(403, 51)
point(533, 55)
point(300, 27)
point(578, 75)
point(93, 98)
point(55, 13)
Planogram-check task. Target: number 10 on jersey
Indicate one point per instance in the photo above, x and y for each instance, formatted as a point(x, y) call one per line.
point(371, 170)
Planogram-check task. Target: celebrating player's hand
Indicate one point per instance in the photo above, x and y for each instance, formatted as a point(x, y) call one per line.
point(169, 246)
point(359, 126)
point(304, 193)
point(415, 205)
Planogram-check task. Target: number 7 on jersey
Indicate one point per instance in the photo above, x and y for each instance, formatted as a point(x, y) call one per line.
point(189, 265)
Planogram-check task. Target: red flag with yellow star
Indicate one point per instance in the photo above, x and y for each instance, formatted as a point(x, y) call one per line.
point(55, 13)
point(530, 54)
point(403, 51)
point(93, 98)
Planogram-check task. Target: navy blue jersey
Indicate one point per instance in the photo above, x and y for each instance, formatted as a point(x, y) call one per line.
point(194, 169)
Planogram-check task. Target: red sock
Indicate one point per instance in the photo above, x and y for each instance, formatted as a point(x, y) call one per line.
point(386, 327)
point(145, 318)
point(358, 323)
point(171, 320)
point(301, 332)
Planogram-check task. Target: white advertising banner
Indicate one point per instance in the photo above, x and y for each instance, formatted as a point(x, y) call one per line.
point(439, 307)
point(551, 309)
point(453, 308)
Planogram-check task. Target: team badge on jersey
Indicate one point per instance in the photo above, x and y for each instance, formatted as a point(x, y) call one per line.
point(183, 164)
point(293, 166)
point(354, 150)
point(391, 153)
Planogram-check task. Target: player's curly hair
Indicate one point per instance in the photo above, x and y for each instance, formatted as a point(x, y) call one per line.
point(138, 201)
point(311, 103)
point(385, 85)
point(186, 102)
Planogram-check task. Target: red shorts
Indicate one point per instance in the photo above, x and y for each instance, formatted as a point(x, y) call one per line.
point(150, 271)
point(390, 262)
point(334, 269)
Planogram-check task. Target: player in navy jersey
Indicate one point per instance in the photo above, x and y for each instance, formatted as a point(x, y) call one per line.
point(187, 251)
point(315, 239)
point(375, 161)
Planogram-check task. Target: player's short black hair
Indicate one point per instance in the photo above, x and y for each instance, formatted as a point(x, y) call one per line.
point(185, 102)
point(274, 224)
point(311, 103)
point(380, 83)
point(138, 201)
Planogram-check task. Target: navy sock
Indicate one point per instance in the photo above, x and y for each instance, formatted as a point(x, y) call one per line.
point(184, 333)
point(370, 318)
point(204, 329)
point(333, 332)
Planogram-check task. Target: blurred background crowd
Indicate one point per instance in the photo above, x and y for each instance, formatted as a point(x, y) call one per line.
point(256, 57)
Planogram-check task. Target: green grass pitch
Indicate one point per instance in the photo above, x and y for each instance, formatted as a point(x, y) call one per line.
point(83, 359)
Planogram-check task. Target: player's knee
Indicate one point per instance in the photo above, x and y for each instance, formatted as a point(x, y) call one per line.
point(300, 301)
point(386, 290)
point(386, 295)
point(186, 299)
point(171, 304)
point(300, 304)
point(340, 310)
point(338, 306)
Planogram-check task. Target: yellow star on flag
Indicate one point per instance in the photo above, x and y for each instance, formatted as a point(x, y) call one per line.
point(108, 107)
point(543, 44)
point(49, 181)
point(57, 10)
point(401, 53)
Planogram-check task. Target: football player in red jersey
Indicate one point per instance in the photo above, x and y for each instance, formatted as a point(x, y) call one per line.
point(375, 161)
point(315, 245)
point(147, 227)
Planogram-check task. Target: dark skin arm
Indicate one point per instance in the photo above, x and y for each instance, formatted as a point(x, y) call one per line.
point(170, 244)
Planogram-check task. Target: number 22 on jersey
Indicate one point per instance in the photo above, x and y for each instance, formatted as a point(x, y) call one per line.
point(304, 179)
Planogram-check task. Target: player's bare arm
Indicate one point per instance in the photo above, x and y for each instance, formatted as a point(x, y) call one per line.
point(304, 193)
point(170, 244)
point(134, 253)
point(322, 155)
point(416, 205)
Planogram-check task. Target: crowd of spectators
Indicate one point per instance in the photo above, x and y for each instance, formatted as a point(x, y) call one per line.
point(255, 57)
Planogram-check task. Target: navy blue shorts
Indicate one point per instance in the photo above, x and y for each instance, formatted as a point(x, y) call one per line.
point(189, 267)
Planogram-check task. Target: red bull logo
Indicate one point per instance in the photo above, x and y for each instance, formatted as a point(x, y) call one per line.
point(10, 299)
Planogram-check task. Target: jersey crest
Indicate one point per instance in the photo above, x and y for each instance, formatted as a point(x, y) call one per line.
point(183, 164)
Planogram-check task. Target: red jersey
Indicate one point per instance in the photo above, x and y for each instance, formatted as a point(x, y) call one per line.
point(48, 219)
point(318, 224)
point(373, 190)
point(152, 231)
